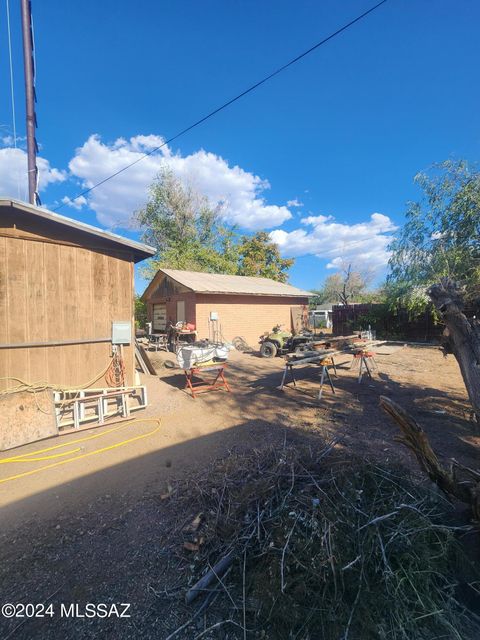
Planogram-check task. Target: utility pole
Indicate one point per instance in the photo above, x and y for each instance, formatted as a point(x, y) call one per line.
point(30, 97)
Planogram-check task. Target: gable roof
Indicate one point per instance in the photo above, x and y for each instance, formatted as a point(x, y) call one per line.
point(221, 283)
point(140, 251)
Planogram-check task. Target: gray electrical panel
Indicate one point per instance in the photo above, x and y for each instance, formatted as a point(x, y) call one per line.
point(121, 332)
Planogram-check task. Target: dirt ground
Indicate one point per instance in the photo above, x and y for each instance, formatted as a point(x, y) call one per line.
point(98, 528)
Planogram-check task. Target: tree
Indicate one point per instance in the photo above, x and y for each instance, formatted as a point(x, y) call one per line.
point(186, 231)
point(140, 312)
point(437, 258)
point(461, 335)
point(441, 238)
point(344, 287)
point(189, 234)
point(259, 256)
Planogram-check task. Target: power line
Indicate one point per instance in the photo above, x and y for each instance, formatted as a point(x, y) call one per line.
point(227, 104)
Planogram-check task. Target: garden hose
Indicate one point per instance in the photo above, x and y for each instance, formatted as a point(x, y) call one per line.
point(27, 456)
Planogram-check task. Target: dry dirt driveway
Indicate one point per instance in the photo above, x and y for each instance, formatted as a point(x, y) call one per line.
point(77, 530)
point(193, 432)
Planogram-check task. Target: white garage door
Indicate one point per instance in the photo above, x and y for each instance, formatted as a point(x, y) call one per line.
point(159, 317)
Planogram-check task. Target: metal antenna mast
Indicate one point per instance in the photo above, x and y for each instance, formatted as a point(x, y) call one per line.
point(32, 147)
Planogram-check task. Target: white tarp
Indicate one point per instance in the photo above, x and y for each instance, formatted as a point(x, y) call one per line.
point(189, 356)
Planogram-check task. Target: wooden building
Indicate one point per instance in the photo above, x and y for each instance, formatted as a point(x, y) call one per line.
point(220, 305)
point(62, 285)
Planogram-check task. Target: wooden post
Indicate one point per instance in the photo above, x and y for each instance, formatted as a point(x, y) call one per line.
point(30, 98)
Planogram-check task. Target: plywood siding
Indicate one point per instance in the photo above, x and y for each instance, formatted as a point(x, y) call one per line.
point(54, 292)
point(244, 316)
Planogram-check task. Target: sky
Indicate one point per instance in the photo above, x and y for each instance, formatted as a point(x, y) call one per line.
point(322, 157)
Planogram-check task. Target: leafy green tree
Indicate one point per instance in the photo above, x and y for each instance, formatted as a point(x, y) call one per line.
point(140, 312)
point(189, 234)
point(436, 259)
point(441, 237)
point(186, 231)
point(259, 256)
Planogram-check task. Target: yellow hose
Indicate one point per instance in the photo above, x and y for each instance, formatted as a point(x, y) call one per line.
point(85, 455)
point(26, 457)
point(42, 385)
point(70, 442)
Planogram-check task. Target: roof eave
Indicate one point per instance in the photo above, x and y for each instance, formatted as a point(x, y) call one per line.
point(254, 293)
point(140, 251)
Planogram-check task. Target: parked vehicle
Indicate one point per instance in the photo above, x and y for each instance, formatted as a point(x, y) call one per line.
point(320, 318)
point(279, 342)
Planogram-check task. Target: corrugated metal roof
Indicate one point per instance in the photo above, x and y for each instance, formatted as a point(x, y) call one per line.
point(140, 250)
point(220, 283)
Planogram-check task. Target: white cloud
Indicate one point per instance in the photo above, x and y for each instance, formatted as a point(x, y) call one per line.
point(116, 200)
point(75, 203)
point(13, 173)
point(362, 244)
point(294, 203)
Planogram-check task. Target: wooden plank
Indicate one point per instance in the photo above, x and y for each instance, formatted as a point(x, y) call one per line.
point(142, 354)
point(55, 316)
point(3, 310)
point(100, 295)
point(85, 318)
point(74, 368)
point(17, 310)
point(36, 314)
point(101, 311)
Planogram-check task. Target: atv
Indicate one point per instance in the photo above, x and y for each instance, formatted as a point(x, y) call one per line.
point(279, 342)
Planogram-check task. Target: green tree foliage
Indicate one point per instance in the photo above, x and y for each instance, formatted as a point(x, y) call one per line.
point(186, 231)
point(140, 312)
point(259, 256)
point(441, 237)
point(189, 234)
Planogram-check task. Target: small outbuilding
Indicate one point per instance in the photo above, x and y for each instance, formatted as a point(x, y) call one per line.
point(223, 306)
point(64, 287)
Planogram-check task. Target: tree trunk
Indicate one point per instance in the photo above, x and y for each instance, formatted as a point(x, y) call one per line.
point(416, 440)
point(463, 335)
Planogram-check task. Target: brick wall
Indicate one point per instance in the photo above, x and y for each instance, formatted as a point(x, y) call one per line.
point(244, 316)
point(171, 304)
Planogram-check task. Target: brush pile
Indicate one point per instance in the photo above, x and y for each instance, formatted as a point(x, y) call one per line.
point(315, 545)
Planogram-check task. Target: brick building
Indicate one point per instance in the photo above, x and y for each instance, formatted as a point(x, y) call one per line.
point(222, 306)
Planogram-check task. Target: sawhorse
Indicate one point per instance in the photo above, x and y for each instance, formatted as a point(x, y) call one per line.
point(324, 364)
point(219, 381)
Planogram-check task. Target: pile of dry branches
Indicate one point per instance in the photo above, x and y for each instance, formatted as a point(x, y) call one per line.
point(296, 543)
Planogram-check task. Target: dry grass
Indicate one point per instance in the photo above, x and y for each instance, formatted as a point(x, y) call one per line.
point(325, 546)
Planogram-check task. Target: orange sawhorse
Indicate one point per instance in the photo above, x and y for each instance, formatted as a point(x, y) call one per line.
point(202, 385)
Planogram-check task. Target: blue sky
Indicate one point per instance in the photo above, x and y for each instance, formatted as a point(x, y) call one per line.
point(342, 132)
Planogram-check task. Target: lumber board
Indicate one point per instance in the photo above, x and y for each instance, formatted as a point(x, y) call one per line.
point(142, 356)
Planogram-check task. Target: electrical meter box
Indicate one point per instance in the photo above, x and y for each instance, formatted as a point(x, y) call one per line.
point(213, 315)
point(121, 332)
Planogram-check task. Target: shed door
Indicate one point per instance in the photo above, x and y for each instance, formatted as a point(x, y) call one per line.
point(181, 311)
point(159, 317)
